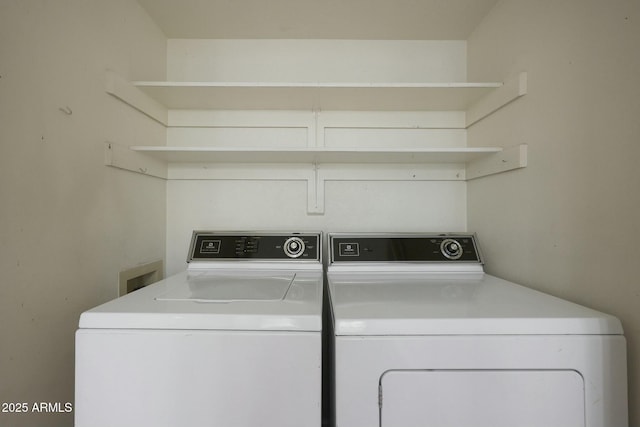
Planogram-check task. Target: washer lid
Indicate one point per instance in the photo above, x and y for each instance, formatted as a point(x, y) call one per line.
point(212, 287)
point(454, 304)
point(225, 300)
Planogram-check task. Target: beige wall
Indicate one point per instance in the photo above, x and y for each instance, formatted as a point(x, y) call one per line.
point(68, 224)
point(569, 223)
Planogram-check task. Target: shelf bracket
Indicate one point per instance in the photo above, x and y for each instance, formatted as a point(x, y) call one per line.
point(506, 160)
point(512, 89)
point(120, 88)
point(121, 157)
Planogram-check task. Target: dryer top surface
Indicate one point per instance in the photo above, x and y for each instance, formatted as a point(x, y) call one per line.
point(450, 303)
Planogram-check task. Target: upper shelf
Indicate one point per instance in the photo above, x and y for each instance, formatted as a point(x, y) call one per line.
point(317, 96)
point(155, 99)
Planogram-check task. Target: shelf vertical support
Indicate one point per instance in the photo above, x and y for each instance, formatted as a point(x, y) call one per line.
point(318, 130)
point(315, 191)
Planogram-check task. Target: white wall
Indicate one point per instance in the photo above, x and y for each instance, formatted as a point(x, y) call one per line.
point(351, 206)
point(380, 202)
point(569, 223)
point(68, 224)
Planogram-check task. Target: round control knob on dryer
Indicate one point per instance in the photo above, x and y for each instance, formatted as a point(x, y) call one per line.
point(451, 249)
point(294, 247)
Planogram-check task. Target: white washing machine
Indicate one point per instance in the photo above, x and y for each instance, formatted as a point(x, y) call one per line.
point(234, 341)
point(423, 337)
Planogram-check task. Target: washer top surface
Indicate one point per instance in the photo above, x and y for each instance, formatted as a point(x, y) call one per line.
point(450, 295)
point(229, 285)
point(270, 300)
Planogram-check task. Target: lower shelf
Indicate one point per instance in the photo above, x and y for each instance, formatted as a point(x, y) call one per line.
point(316, 165)
point(314, 155)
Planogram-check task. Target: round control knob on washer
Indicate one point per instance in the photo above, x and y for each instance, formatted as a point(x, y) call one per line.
point(293, 247)
point(451, 249)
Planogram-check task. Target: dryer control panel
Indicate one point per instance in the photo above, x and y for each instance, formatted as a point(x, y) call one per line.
point(404, 248)
point(208, 246)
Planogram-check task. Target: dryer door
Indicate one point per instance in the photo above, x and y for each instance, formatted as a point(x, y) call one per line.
point(482, 398)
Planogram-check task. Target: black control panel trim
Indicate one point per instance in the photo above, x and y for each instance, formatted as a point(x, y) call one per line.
point(415, 248)
point(263, 246)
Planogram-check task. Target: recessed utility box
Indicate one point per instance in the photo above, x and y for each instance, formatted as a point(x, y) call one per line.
point(139, 277)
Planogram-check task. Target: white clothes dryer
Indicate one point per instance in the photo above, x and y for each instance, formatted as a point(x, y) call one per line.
point(423, 337)
point(233, 341)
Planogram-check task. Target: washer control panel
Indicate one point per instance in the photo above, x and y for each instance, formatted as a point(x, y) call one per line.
point(405, 248)
point(207, 246)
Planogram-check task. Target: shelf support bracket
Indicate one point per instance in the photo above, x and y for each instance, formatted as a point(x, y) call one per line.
point(512, 89)
point(506, 160)
point(120, 88)
point(121, 157)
